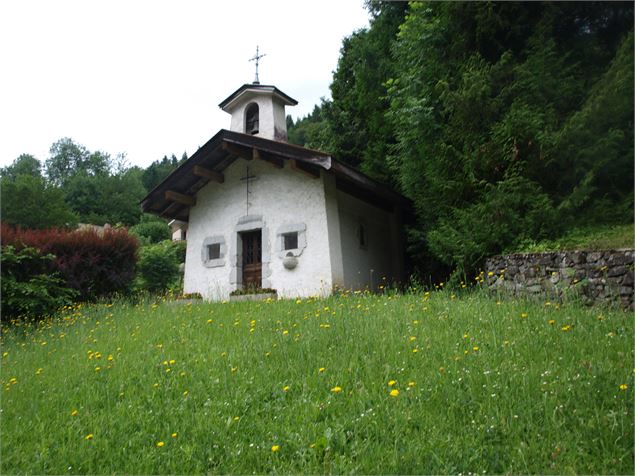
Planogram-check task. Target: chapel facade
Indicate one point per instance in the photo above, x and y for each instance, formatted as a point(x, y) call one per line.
point(262, 213)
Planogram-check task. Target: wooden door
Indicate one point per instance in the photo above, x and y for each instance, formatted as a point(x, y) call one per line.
point(252, 259)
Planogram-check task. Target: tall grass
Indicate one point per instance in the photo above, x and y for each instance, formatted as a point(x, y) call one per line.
point(406, 384)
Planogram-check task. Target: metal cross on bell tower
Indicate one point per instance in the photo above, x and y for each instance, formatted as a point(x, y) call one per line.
point(256, 58)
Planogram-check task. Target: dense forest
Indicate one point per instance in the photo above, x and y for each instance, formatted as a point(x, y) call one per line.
point(75, 185)
point(505, 123)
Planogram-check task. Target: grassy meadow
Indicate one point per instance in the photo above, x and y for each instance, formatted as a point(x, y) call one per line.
point(414, 383)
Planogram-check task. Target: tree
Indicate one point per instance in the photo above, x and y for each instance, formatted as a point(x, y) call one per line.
point(25, 164)
point(494, 104)
point(69, 159)
point(28, 201)
point(158, 170)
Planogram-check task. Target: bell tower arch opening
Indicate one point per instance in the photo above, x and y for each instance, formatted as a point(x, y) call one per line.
point(252, 119)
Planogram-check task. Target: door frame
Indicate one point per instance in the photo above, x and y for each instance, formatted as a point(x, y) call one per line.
point(241, 234)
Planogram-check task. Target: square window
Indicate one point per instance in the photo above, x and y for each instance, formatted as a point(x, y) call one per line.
point(290, 240)
point(213, 251)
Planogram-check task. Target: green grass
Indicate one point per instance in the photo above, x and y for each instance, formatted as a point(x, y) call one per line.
point(590, 238)
point(483, 387)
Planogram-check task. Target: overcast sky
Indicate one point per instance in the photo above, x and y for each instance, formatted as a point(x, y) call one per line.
point(146, 77)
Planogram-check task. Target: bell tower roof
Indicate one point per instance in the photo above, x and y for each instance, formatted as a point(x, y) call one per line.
point(255, 89)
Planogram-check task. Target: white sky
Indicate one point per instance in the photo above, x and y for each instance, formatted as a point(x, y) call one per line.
point(145, 77)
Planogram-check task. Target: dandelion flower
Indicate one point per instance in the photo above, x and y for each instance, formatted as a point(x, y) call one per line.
point(414, 351)
point(336, 389)
point(623, 386)
point(160, 444)
point(552, 322)
point(394, 392)
point(411, 384)
point(275, 448)
point(97, 369)
point(391, 383)
point(524, 315)
point(172, 362)
point(322, 369)
point(285, 388)
point(285, 332)
point(174, 435)
point(185, 393)
point(475, 348)
point(74, 413)
point(89, 436)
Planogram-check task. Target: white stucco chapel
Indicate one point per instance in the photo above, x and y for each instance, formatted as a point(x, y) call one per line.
point(262, 213)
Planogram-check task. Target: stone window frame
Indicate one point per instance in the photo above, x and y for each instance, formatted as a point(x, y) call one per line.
point(214, 240)
point(300, 229)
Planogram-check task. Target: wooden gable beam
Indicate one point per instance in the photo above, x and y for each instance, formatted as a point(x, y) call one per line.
point(295, 165)
point(177, 197)
point(275, 161)
point(208, 174)
point(238, 151)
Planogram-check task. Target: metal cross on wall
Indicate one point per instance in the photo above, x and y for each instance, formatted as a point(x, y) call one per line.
point(257, 59)
point(248, 178)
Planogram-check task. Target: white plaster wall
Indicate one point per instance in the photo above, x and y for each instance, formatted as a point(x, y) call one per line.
point(281, 197)
point(379, 254)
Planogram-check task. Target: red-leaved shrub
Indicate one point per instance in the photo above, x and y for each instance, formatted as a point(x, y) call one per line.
point(93, 263)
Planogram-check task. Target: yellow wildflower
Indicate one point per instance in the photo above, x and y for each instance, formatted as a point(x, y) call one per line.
point(275, 448)
point(394, 392)
point(74, 413)
point(524, 315)
point(322, 369)
point(336, 389)
point(174, 435)
point(89, 436)
point(285, 388)
point(552, 322)
point(391, 383)
point(411, 384)
point(160, 444)
point(623, 386)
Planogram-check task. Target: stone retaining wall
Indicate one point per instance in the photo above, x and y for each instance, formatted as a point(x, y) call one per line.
point(594, 276)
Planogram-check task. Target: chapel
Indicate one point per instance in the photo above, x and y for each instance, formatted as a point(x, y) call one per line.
point(258, 212)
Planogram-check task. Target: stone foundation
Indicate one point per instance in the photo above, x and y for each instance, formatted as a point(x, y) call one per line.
point(593, 276)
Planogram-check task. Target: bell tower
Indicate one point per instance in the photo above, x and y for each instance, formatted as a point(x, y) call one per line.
point(258, 109)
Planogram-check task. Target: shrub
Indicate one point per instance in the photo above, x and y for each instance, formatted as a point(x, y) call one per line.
point(151, 232)
point(158, 266)
point(93, 264)
point(28, 289)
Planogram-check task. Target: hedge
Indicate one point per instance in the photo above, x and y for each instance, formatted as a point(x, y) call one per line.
point(94, 264)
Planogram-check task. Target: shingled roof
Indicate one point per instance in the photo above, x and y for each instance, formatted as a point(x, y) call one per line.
point(173, 197)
